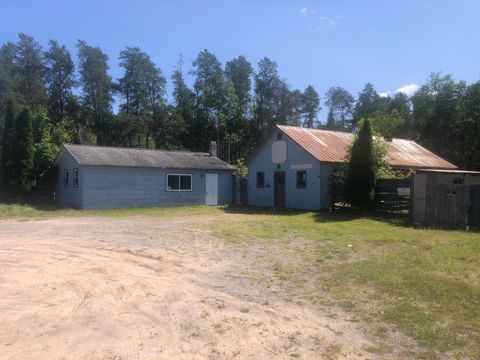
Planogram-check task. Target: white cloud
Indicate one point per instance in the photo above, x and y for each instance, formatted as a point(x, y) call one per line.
point(326, 21)
point(306, 11)
point(408, 90)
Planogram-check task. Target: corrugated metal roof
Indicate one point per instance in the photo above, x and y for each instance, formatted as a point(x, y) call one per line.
point(127, 157)
point(331, 146)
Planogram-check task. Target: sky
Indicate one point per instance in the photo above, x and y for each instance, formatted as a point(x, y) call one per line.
point(395, 45)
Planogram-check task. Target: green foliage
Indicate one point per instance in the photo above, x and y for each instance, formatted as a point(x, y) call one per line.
point(340, 104)
point(30, 71)
point(8, 146)
point(23, 161)
point(360, 181)
point(367, 103)
point(60, 80)
point(310, 106)
point(96, 86)
point(241, 170)
point(381, 168)
point(388, 124)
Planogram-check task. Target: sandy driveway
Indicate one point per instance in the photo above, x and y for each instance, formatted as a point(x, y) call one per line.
point(144, 288)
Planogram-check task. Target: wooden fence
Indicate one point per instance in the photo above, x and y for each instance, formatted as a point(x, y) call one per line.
point(453, 206)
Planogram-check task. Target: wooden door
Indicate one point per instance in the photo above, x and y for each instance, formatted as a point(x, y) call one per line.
point(279, 188)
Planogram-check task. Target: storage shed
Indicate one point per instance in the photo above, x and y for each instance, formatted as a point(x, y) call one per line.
point(95, 177)
point(444, 197)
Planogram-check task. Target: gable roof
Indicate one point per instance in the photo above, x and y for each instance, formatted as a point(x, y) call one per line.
point(331, 147)
point(90, 155)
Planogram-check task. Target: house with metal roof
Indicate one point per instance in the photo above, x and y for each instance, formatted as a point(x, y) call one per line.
point(95, 177)
point(292, 168)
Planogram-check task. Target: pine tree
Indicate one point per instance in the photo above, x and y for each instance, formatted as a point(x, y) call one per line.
point(360, 182)
point(24, 153)
point(311, 106)
point(8, 146)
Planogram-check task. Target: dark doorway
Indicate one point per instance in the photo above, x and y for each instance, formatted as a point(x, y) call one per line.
point(279, 188)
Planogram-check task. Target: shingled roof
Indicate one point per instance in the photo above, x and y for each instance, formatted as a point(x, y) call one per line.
point(331, 147)
point(88, 155)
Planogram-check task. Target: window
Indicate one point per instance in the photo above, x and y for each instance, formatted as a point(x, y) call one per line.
point(75, 177)
point(260, 179)
point(301, 179)
point(65, 178)
point(458, 181)
point(179, 182)
point(279, 136)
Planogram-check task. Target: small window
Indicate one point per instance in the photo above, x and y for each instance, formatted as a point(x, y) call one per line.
point(301, 179)
point(458, 181)
point(279, 136)
point(179, 182)
point(65, 178)
point(260, 179)
point(75, 177)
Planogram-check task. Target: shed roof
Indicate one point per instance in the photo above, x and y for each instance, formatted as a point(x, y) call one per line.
point(331, 146)
point(90, 155)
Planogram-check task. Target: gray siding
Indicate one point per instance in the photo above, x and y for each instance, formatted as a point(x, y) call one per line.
point(116, 187)
point(69, 196)
point(225, 187)
point(309, 198)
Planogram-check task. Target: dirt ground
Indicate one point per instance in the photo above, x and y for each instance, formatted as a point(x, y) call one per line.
point(146, 288)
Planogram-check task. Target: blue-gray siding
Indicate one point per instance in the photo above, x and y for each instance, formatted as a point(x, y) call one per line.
point(116, 187)
point(313, 197)
point(69, 195)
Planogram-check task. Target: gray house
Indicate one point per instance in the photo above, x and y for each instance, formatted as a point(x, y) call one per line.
point(94, 177)
point(292, 168)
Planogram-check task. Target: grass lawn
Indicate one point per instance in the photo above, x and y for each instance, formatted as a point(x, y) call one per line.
point(424, 284)
point(15, 211)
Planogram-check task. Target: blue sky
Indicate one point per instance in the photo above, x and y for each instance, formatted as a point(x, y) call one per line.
point(323, 43)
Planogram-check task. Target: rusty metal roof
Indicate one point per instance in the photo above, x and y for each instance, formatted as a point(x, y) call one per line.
point(331, 146)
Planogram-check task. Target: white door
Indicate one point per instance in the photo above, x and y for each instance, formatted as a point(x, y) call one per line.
point(211, 189)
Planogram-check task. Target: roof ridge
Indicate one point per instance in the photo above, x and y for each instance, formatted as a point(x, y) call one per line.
point(139, 149)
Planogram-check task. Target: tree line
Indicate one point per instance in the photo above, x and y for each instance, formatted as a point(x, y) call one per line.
point(72, 100)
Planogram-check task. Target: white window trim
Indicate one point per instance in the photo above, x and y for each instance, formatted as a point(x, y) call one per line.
point(179, 190)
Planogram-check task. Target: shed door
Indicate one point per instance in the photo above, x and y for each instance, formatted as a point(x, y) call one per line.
point(211, 189)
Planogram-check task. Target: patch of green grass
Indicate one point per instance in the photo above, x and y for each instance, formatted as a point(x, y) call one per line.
point(425, 283)
point(9, 211)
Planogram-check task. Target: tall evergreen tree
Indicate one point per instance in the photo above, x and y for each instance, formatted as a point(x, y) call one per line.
point(266, 90)
point(96, 88)
point(367, 103)
point(360, 181)
point(8, 71)
point(142, 89)
point(239, 71)
point(30, 71)
point(310, 106)
point(184, 100)
point(8, 146)
point(209, 90)
point(23, 160)
point(60, 80)
point(340, 104)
